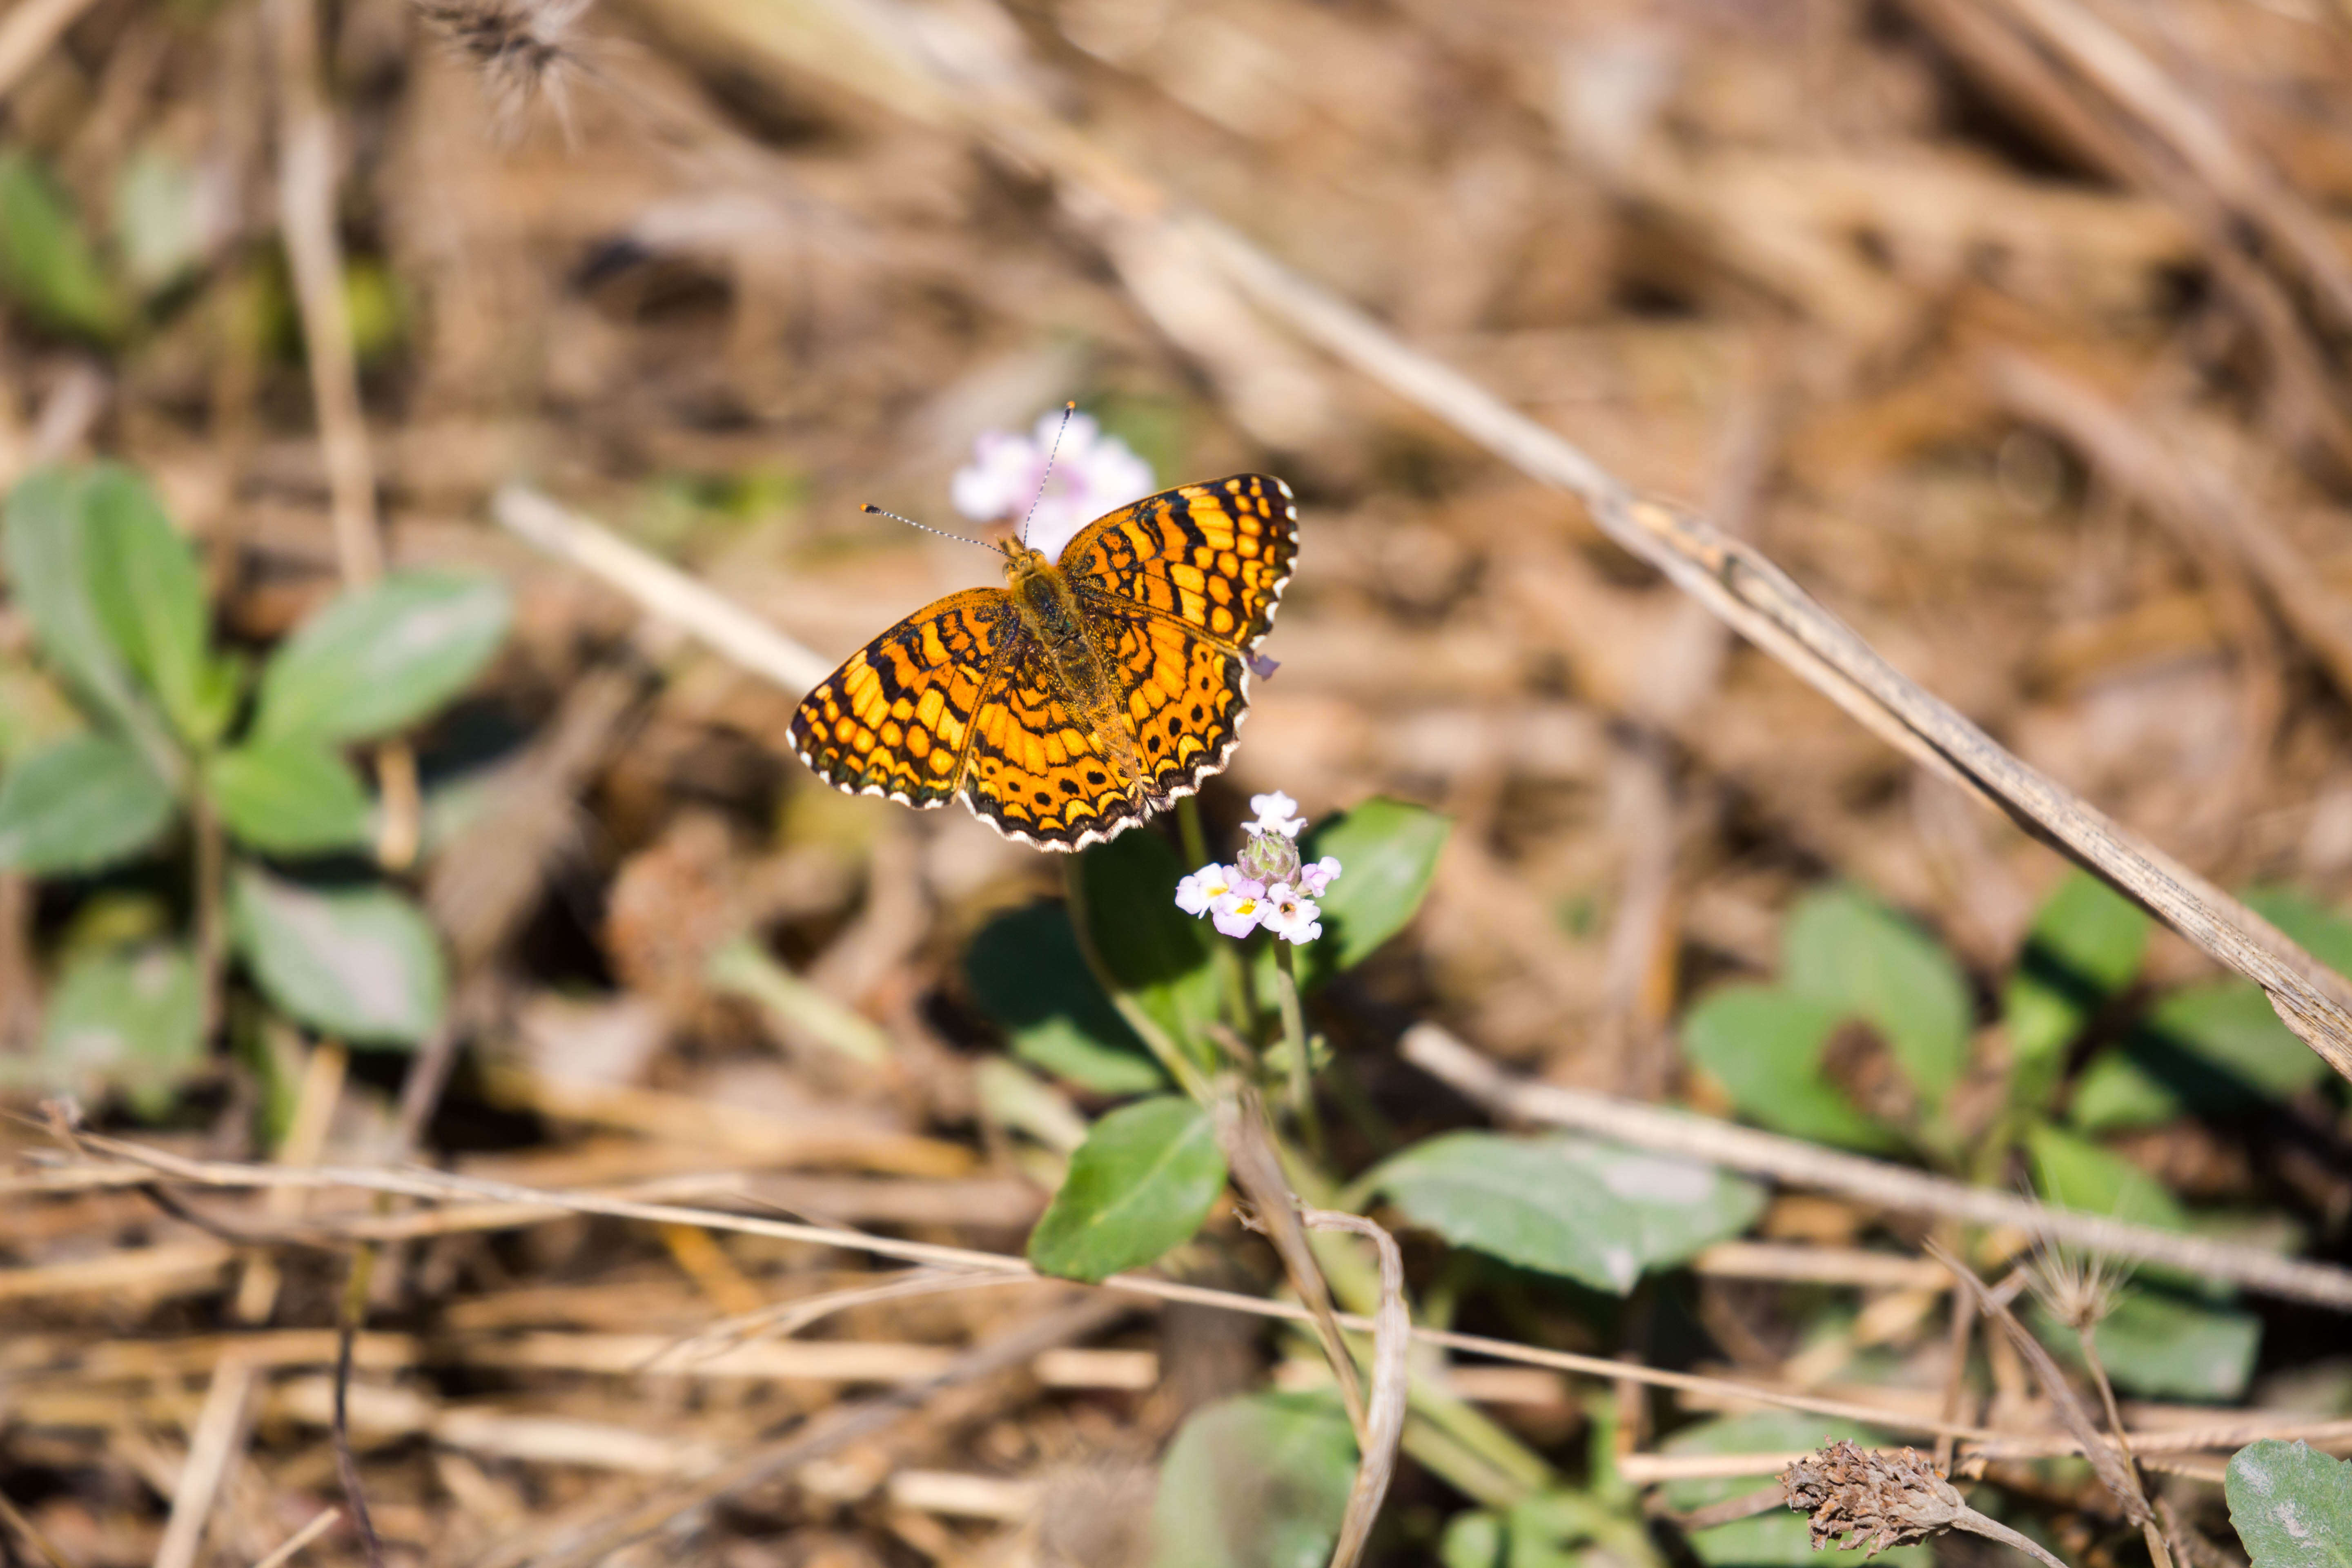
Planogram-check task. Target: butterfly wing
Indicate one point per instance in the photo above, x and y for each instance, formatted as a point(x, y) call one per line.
point(1037, 772)
point(1214, 557)
point(897, 718)
point(1178, 589)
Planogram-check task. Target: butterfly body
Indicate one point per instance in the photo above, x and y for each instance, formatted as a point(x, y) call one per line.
point(1083, 695)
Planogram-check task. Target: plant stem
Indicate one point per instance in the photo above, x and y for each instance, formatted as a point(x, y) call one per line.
point(1232, 976)
point(1171, 1054)
point(211, 937)
point(1294, 1030)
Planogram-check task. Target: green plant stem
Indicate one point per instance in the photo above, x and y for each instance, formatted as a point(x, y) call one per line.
point(1171, 1054)
point(1232, 976)
point(212, 938)
point(1294, 1030)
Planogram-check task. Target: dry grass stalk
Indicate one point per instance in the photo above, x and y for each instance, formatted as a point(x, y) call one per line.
point(1384, 1426)
point(321, 1522)
point(26, 32)
point(1875, 1182)
point(1855, 1497)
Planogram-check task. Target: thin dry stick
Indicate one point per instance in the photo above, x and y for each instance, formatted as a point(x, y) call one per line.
point(1248, 1144)
point(835, 1428)
point(319, 1524)
point(43, 1547)
point(660, 589)
point(1873, 1183)
point(1391, 1381)
point(26, 32)
point(213, 1447)
point(2113, 1468)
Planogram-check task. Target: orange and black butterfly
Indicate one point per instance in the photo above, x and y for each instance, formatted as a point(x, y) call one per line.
point(1084, 694)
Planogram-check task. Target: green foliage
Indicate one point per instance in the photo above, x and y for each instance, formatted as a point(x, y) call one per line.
point(2321, 931)
point(1595, 1212)
point(131, 1017)
point(1141, 1183)
point(1845, 948)
point(358, 963)
point(53, 570)
point(2084, 945)
point(1151, 950)
point(2292, 1505)
point(82, 804)
point(1260, 1481)
point(159, 219)
point(2211, 1048)
point(2071, 1174)
point(289, 797)
point(1027, 975)
point(1764, 1046)
point(2165, 1345)
point(377, 660)
point(46, 263)
point(1549, 1529)
point(1388, 852)
point(1779, 1537)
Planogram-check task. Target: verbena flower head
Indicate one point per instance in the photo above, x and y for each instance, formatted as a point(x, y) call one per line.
point(1268, 884)
point(1092, 474)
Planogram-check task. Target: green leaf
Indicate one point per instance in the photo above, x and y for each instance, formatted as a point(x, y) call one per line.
point(2211, 1048)
point(1595, 1212)
point(80, 804)
point(150, 596)
point(1844, 947)
point(2071, 1174)
point(1764, 1046)
point(1027, 975)
point(361, 963)
point(1258, 1481)
point(2166, 1346)
point(2084, 945)
point(1141, 1183)
point(2320, 931)
point(126, 1018)
point(2292, 1505)
point(50, 555)
point(377, 660)
point(46, 263)
point(161, 223)
point(1777, 1538)
point(289, 797)
point(1387, 851)
point(1153, 951)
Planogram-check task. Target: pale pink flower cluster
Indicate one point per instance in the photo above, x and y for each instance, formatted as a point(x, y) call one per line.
point(1267, 885)
point(1093, 473)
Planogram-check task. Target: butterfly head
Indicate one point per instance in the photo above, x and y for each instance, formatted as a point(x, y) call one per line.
point(1022, 564)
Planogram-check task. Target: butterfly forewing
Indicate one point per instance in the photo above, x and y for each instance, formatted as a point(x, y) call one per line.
point(895, 718)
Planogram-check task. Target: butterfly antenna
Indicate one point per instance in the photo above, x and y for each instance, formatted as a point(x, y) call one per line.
point(870, 508)
point(1052, 452)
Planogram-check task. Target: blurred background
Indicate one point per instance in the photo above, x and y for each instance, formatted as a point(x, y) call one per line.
point(2012, 329)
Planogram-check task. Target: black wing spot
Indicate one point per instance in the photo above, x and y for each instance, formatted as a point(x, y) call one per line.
point(1155, 742)
point(1095, 776)
point(1200, 715)
point(1045, 799)
point(1069, 786)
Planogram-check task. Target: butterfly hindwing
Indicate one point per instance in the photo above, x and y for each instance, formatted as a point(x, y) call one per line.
point(897, 718)
point(1037, 771)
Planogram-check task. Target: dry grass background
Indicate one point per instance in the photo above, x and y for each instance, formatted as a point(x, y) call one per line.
point(2031, 374)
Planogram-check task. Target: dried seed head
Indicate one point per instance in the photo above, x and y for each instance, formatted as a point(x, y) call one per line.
point(2079, 1288)
point(522, 51)
point(1857, 1498)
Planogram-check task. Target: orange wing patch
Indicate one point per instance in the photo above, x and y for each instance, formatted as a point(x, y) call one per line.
point(1213, 556)
point(1037, 772)
point(1185, 695)
point(898, 718)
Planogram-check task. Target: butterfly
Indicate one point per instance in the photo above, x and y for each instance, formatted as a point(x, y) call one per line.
point(1084, 694)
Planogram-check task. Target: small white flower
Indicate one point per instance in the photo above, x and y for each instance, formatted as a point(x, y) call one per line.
point(1290, 916)
point(1313, 880)
point(1275, 815)
point(1204, 886)
point(1240, 909)
point(1092, 474)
